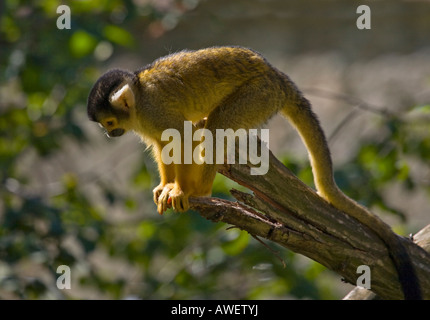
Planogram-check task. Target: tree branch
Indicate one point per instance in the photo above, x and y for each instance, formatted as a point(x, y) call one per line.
point(286, 211)
point(422, 239)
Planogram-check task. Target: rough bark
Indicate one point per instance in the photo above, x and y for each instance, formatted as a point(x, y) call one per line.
point(286, 211)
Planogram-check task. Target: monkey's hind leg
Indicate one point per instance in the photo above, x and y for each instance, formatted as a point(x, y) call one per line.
point(250, 106)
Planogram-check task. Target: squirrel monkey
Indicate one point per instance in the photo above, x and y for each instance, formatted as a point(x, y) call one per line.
point(232, 87)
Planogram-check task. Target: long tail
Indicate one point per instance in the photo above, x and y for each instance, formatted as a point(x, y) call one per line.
point(300, 114)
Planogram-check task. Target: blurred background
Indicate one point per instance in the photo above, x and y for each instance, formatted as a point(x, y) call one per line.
point(71, 196)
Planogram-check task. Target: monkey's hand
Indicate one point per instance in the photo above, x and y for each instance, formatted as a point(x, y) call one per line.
point(157, 192)
point(162, 200)
point(172, 195)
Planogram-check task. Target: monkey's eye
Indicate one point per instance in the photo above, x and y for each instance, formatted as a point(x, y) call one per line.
point(109, 123)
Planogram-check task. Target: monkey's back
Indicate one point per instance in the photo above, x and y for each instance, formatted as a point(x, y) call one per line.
point(201, 79)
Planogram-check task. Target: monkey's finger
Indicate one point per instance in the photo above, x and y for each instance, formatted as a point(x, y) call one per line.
point(156, 196)
point(176, 203)
point(181, 203)
point(156, 193)
point(160, 208)
point(163, 206)
point(162, 203)
point(185, 204)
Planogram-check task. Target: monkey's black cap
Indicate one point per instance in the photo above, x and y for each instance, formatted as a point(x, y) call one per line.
point(98, 99)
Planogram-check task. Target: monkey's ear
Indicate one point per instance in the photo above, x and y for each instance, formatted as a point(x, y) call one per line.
point(123, 98)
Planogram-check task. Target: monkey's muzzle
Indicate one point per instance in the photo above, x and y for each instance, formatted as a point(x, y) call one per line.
point(116, 132)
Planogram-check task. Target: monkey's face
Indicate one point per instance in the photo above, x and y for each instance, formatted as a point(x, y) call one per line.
point(112, 127)
point(111, 102)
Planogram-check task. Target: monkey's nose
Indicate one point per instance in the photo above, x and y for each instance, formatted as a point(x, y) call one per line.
point(116, 132)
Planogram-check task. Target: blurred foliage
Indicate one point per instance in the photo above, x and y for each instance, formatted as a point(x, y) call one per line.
point(46, 74)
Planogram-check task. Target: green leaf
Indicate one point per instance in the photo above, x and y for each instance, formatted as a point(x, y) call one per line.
point(236, 245)
point(118, 35)
point(421, 109)
point(146, 230)
point(403, 170)
point(82, 43)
